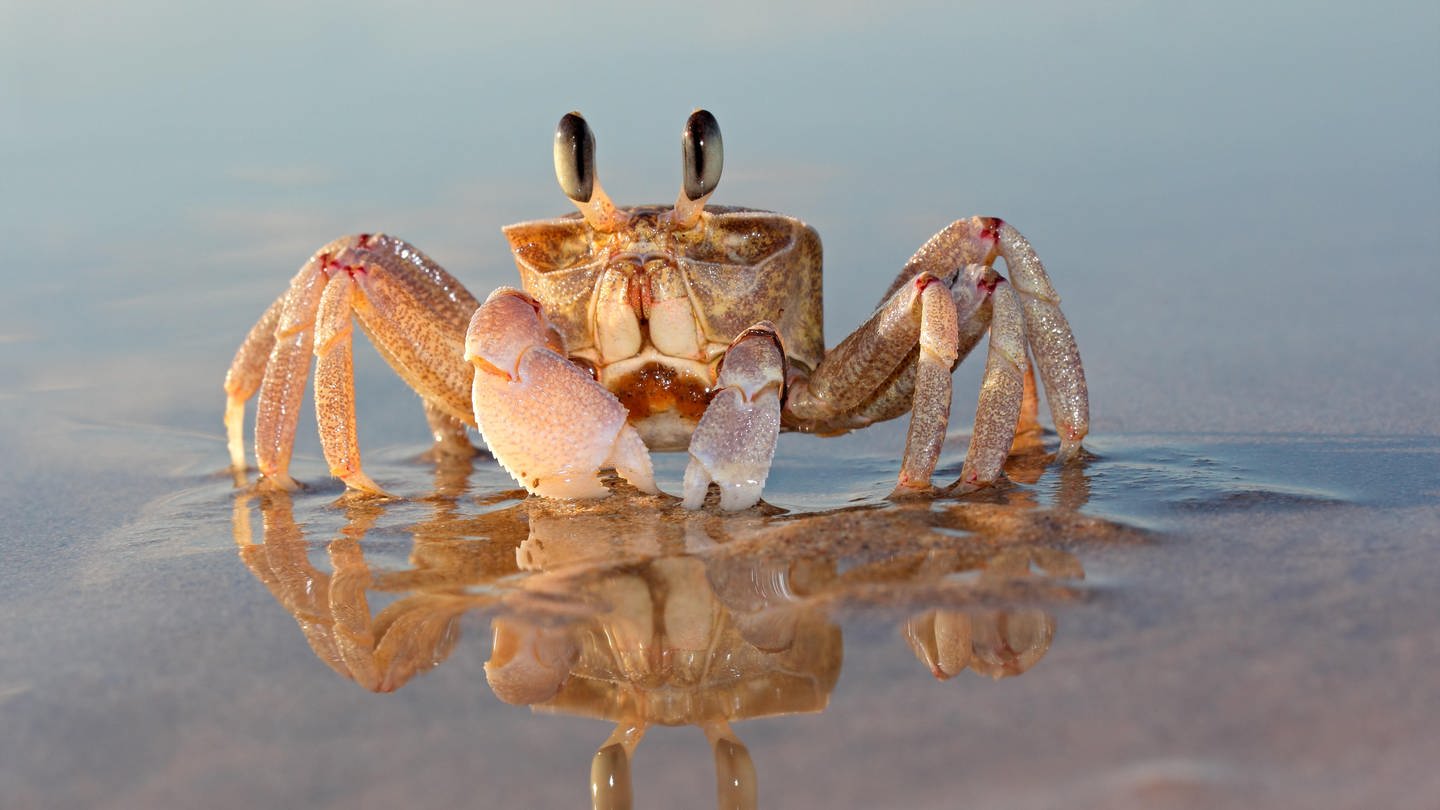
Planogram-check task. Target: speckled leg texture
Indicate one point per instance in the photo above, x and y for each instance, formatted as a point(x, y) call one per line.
point(415, 314)
point(1000, 394)
point(902, 357)
point(734, 443)
point(1050, 339)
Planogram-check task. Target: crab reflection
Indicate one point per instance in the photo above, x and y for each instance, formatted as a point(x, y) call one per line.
point(666, 616)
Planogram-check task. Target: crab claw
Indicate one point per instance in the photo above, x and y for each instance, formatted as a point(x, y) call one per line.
point(734, 443)
point(547, 422)
point(529, 663)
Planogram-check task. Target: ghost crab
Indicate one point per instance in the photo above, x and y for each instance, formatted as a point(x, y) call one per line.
point(674, 327)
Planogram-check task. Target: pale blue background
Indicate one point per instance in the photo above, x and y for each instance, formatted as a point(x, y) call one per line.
point(1238, 201)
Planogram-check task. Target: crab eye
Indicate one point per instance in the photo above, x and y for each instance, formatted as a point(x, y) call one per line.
point(703, 154)
point(575, 157)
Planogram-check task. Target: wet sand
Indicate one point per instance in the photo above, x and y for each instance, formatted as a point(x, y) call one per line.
point(1169, 624)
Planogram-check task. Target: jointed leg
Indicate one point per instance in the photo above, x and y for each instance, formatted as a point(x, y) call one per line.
point(735, 782)
point(982, 239)
point(896, 394)
point(243, 380)
point(335, 385)
point(909, 346)
point(277, 410)
point(930, 414)
point(898, 358)
point(1049, 336)
point(1001, 394)
point(414, 312)
point(450, 434)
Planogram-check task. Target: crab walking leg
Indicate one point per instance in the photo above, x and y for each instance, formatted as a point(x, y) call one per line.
point(896, 395)
point(451, 438)
point(610, 787)
point(734, 443)
point(735, 782)
point(335, 384)
point(1050, 337)
point(982, 239)
point(930, 413)
point(281, 564)
point(416, 314)
point(872, 358)
point(548, 423)
point(413, 311)
point(243, 380)
point(353, 630)
point(1000, 394)
point(1028, 425)
point(859, 365)
point(277, 408)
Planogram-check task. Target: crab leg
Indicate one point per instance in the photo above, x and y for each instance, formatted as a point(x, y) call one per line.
point(286, 372)
point(610, 787)
point(860, 364)
point(982, 239)
point(1000, 394)
point(414, 312)
point(735, 782)
point(1049, 335)
point(927, 312)
point(451, 438)
point(896, 395)
point(548, 423)
point(335, 385)
point(243, 379)
point(939, 337)
point(734, 443)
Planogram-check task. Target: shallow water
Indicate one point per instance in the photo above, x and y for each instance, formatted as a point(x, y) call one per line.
point(1232, 603)
point(1165, 625)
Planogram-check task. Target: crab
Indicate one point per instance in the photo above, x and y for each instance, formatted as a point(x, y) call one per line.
point(685, 327)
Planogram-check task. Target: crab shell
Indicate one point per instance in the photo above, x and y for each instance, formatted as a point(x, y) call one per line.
point(650, 308)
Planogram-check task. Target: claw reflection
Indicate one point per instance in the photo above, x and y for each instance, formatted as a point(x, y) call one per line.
point(669, 617)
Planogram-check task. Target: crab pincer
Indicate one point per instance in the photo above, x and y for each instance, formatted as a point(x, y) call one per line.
point(734, 443)
point(547, 422)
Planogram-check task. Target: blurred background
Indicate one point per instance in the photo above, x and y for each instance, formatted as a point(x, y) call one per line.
point(1237, 200)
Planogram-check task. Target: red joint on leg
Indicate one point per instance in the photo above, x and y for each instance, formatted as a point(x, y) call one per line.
point(924, 280)
point(990, 237)
point(330, 264)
